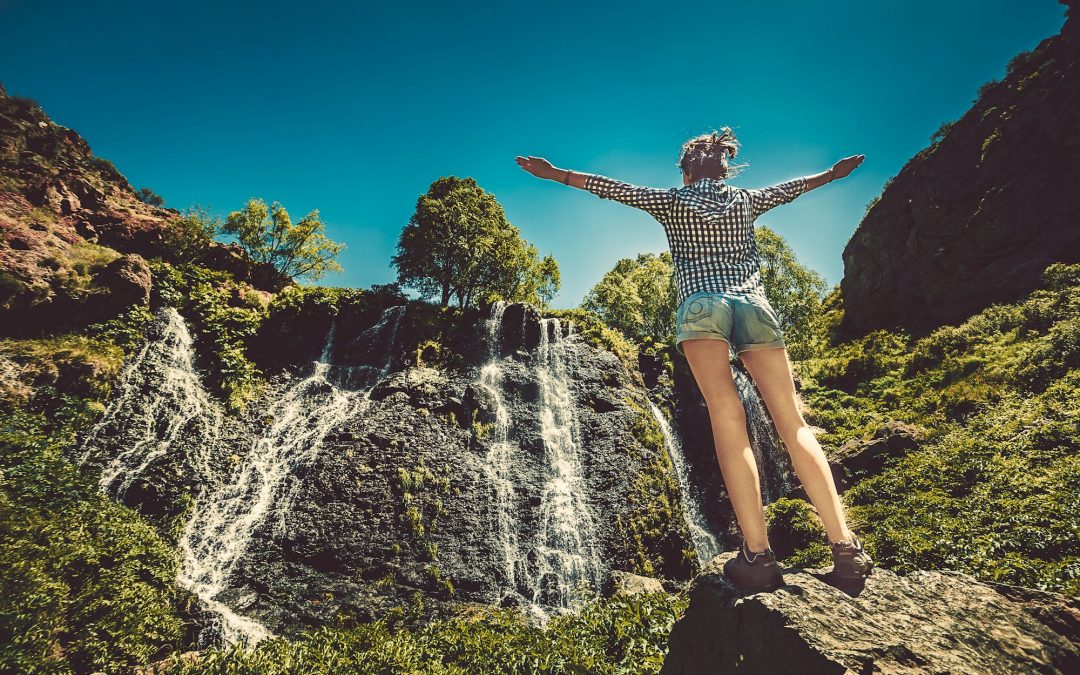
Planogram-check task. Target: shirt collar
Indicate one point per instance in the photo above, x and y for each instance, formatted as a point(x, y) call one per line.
point(707, 181)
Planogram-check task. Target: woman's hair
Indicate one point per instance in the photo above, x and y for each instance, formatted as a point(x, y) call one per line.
point(708, 155)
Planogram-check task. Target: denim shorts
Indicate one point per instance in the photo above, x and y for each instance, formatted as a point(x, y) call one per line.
point(743, 321)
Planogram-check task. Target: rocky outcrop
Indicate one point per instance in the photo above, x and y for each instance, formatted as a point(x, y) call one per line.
point(923, 622)
point(369, 482)
point(860, 458)
point(65, 216)
point(975, 218)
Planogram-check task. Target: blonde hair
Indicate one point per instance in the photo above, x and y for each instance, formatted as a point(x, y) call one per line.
point(709, 155)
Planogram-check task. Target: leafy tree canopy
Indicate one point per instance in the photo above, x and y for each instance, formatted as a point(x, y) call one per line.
point(794, 290)
point(299, 249)
point(458, 245)
point(638, 297)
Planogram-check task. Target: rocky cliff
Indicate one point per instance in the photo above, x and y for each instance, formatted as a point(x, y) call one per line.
point(924, 622)
point(975, 217)
point(365, 479)
point(74, 235)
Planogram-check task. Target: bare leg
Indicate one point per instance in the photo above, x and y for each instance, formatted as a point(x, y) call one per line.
point(771, 371)
point(709, 362)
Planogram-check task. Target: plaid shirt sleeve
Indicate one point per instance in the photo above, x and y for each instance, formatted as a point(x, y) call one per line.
point(763, 199)
point(656, 202)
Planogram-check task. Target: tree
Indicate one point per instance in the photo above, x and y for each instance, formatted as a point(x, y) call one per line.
point(189, 236)
point(148, 196)
point(638, 297)
point(458, 245)
point(294, 249)
point(794, 290)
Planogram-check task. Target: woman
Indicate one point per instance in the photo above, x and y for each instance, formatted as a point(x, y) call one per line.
point(722, 306)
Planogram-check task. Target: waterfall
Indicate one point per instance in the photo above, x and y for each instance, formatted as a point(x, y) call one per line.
point(163, 412)
point(565, 546)
point(774, 465)
point(162, 409)
point(224, 519)
point(705, 542)
point(501, 456)
point(562, 552)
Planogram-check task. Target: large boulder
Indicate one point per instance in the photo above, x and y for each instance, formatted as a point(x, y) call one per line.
point(923, 622)
point(976, 217)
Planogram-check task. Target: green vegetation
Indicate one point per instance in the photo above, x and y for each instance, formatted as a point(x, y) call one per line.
point(189, 237)
point(793, 289)
point(223, 315)
point(459, 245)
point(625, 634)
point(797, 534)
point(76, 266)
point(269, 236)
point(148, 196)
point(85, 583)
point(653, 523)
point(422, 493)
point(597, 333)
point(993, 489)
point(638, 297)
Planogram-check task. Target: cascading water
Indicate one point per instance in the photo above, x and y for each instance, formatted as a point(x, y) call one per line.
point(500, 458)
point(565, 545)
point(705, 543)
point(162, 405)
point(163, 413)
point(546, 570)
point(774, 465)
point(225, 518)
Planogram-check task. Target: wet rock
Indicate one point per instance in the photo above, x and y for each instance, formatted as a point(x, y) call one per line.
point(926, 621)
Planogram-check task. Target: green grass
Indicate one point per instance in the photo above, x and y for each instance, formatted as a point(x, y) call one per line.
point(991, 492)
point(620, 635)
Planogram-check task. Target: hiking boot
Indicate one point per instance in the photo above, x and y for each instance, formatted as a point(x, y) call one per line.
point(754, 571)
point(850, 561)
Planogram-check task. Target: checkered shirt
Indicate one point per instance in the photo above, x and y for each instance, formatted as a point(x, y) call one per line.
point(709, 226)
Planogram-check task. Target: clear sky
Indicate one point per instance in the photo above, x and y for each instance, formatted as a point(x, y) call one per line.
point(355, 108)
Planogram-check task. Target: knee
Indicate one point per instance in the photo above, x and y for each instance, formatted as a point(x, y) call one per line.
point(790, 434)
point(725, 412)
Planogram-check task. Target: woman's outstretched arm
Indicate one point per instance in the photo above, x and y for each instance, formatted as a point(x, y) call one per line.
point(763, 199)
point(541, 168)
point(656, 202)
point(839, 170)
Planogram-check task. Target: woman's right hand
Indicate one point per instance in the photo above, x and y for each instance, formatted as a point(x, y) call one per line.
point(846, 166)
point(537, 166)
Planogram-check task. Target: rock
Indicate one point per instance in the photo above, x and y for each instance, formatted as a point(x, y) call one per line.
point(859, 457)
point(128, 281)
point(57, 198)
point(976, 217)
point(625, 583)
point(923, 622)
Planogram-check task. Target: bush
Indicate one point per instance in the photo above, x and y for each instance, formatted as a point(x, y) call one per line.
point(85, 583)
point(989, 491)
point(221, 321)
point(626, 634)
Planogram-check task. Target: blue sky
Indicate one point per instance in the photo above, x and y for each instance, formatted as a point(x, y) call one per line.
point(355, 108)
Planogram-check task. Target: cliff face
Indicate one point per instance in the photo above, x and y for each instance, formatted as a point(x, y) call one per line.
point(74, 236)
point(365, 479)
point(975, 218)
